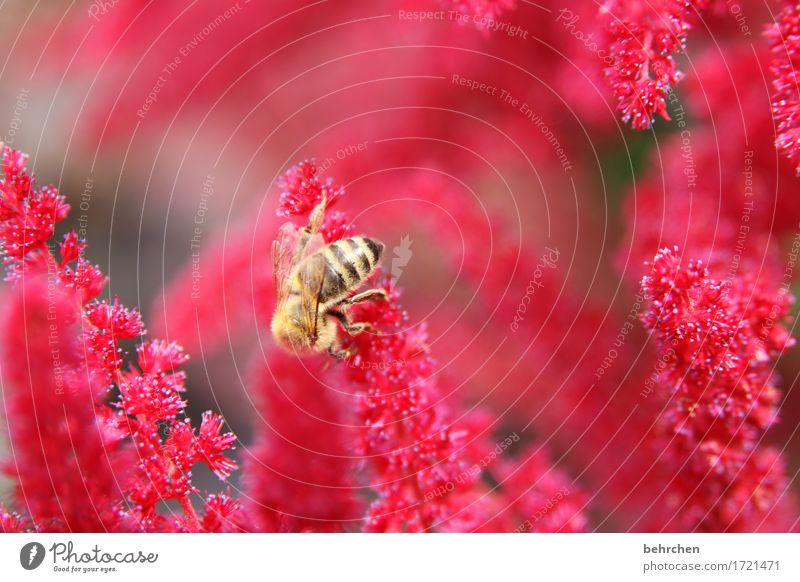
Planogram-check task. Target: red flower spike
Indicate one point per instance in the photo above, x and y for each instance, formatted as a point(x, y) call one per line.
point(87, 279)
point(642, 39)
point(121, 464)
point(14, 163)
point(427, 471)
point(423, 468)
point(717, 342)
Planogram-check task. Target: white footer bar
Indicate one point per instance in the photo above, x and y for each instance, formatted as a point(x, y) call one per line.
point(390, 557)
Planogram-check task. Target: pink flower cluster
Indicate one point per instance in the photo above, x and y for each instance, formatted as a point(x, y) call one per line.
point(718, 342)
point(643, 39)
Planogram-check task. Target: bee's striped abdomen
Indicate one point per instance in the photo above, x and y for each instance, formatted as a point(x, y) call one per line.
point(348, 262)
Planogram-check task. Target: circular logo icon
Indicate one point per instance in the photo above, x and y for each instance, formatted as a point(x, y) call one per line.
point(31, 555)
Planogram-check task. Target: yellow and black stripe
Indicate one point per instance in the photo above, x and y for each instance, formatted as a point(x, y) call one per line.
point(347, 263)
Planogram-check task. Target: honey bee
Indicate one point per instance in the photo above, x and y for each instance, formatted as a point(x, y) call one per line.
point(313, 283)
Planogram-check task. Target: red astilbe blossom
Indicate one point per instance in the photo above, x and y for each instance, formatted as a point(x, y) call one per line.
point(410, 446)
point(59, 372)
point(784, 40)
point(66, 479)
point(642, 39)
point(718, 342)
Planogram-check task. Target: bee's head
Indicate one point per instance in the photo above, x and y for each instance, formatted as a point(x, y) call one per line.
point(291, 334)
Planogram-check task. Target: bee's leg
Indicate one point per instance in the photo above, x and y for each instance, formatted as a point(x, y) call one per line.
point(357, 328)
point(351, 328)
point(339, 354)
point(368, 295)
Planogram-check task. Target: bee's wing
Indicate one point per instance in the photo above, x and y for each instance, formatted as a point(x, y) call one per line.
point(309, 244)
point(312, 274)
point(284, 251)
